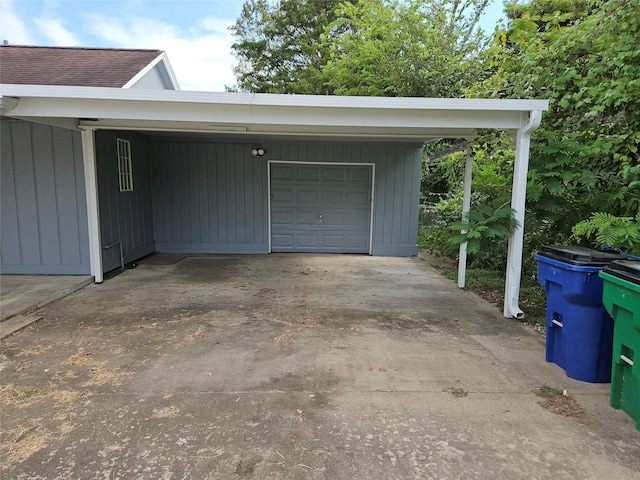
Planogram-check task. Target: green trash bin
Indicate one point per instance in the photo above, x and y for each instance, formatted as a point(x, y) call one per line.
point(621, 298)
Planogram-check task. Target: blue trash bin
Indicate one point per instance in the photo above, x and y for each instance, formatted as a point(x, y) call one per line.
point(579, 329)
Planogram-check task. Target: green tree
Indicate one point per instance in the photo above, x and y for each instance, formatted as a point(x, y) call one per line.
point(584, 56)
point(404, 49)
point(374, 47)
point(278, 45)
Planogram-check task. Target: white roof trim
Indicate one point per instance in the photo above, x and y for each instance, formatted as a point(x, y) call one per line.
point(167, 67)
point(267, 114)
point(269, 99)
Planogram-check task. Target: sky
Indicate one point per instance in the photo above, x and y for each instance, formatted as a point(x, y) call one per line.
point(193, 33)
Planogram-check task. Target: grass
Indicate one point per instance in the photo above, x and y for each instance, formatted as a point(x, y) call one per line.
point(9, 394)
point(489, 285)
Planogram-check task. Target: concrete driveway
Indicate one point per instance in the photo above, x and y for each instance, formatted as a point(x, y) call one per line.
point(294, 367)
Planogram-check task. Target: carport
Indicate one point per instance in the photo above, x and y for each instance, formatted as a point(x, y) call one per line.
point(362, 152)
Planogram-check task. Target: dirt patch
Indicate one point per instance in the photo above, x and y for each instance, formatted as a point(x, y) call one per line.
point(21, 442)
point(290, 332)
point(100, 374)
point(10, 395)
point(166, 412)
point(559, 402)
point(491, 296)
point(266, 291)
point(456, 392)
point(192, 337)
point(33, 351)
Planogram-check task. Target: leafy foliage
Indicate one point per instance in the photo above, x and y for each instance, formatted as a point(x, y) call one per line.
point(372, 47)
point(483, 223)
point(278, 45)
point(584, 56)
point(605, 229)
point(404, 49)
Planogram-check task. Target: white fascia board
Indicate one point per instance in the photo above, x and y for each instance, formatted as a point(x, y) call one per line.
point(161, 61)
point(247, 114)
point(272, 100)
point(256, 117)
point(258, 112)
point(413, 103)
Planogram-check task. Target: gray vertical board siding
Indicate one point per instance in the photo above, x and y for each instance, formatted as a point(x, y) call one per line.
point(81, 204)
point(44, 169)
point(9, 235)
point(125, 217)
point(43, 221)
point(397, 185)
point(211, 197)
point(68, 217)
point(208, 198)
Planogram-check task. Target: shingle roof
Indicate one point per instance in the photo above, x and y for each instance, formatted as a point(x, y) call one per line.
point(71, 66)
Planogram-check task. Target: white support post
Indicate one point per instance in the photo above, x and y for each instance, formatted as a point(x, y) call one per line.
point(466, 205)
point(518, 200)
point(93, 217)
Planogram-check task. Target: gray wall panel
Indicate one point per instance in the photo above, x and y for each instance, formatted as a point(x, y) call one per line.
point(212, 197)
point(43, 220)
point(9, 236)
point(26, 194)
point(66, 192)
point(46, 187)
point(209, 198)
point(125, 217)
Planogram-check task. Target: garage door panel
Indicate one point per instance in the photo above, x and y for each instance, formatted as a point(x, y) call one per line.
point(333, 197)
point(307, 240)
point(357, 219)
point(334, 219)
point(360, 174)
point(282, 195)
point(358, 198)
point(333, 174)
point(307, 196)
point(308, 173)
point(357, 241)
point(282, 217)
point(306, 218)
point(332, 241)
point(321, 208)
point(283, 240)
point(282, 172)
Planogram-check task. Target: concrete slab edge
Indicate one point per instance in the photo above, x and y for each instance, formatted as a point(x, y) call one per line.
point(52, 298)
point(15, 323)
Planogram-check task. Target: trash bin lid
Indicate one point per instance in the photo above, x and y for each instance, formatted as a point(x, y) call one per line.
point(628, 270)
point(585, 257)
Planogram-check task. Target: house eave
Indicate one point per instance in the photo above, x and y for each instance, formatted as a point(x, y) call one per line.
point(266, 114)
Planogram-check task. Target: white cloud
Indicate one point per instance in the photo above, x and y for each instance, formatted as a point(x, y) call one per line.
point(12, 28)
point(53, 30)
point(201, 58)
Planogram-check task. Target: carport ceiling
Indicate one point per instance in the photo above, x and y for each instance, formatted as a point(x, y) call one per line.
point(265, 115)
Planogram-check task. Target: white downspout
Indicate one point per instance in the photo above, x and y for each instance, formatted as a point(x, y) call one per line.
point(93, 217)
point(466, 206)
point(518, 200)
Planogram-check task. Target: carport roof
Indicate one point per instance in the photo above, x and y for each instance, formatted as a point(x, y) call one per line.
point(265, 115)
